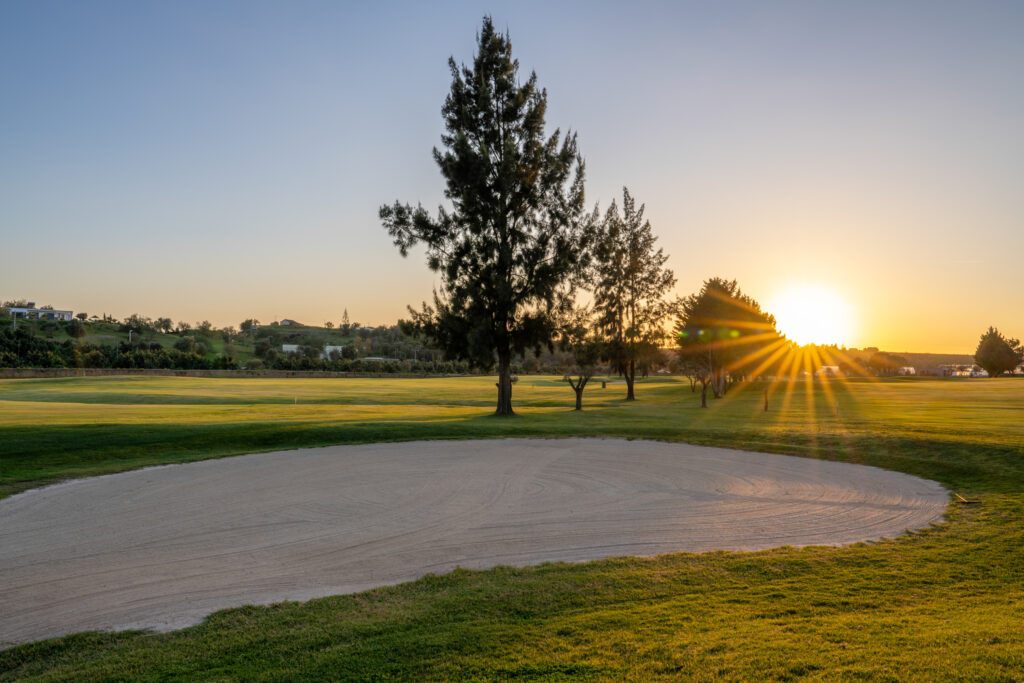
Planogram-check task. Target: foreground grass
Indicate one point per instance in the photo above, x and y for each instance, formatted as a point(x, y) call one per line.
point(944, 603)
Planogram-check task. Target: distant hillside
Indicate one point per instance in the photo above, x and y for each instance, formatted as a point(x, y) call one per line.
point(932, 360)
point(921, 360)
point(141, 342)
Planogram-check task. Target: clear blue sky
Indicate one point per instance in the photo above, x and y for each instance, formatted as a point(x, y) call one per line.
point(220, 160)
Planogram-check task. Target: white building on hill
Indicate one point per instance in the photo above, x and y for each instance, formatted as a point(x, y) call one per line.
point(32, 313)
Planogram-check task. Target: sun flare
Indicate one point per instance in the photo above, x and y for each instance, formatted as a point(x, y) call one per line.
point(811, 314)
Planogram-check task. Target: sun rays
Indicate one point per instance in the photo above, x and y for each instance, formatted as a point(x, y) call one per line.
point(784, 370)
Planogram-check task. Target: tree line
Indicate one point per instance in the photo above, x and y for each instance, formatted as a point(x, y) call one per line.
point(138, 341)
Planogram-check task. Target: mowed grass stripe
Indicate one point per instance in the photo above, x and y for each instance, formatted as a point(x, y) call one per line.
point(195, 390)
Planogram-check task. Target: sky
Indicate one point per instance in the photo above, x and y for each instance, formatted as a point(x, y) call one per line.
point(226, 160)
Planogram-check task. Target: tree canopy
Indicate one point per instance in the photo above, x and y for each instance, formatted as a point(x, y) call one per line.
point(630, 282)
point(512, 238)
point(996, 354)
point(723, 332)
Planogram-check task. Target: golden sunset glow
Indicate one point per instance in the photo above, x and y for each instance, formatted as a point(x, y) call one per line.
point(811, 314)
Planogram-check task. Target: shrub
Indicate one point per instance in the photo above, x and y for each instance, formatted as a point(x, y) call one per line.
point(186, 344)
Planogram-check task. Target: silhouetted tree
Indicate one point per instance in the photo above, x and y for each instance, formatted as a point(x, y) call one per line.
point(649, 357)
point(996, 354)
point(629, 283)
point(723, 331)
point(701, 360)
point(689, 367)
point(510, 242)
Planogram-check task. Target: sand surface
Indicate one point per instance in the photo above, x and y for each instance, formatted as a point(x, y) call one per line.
point(163, 547)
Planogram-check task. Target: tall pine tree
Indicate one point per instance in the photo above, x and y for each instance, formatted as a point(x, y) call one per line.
point(513, 239)
point(629, 284)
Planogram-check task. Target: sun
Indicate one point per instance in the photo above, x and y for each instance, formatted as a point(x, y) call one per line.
point(811, 314)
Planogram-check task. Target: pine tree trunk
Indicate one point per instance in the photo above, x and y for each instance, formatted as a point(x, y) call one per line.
point(504, 386)
point(703, 394)
point(630, 374)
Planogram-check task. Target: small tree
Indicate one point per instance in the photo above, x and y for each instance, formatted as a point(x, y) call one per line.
point(186, 344)
point(311, 350)
point(248, 324)
point(649, 357)
point(82, 316)
point(702, 363)
point(630, 281)
point(136, 324)
point(76, 328)
point(688, 367)
point(329, 325)
point(996, 354)
point(580, 339)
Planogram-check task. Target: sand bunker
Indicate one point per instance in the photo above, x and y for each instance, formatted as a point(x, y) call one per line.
point(163, 547)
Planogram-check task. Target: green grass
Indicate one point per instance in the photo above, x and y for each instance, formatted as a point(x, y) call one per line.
point(945, 603)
